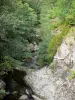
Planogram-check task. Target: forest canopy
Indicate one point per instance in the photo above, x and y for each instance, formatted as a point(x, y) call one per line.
point(17, 29)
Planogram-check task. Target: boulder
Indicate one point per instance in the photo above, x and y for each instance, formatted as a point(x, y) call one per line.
point(48, 86)
point(42, 84)
point(18, 75)
point(23, 97)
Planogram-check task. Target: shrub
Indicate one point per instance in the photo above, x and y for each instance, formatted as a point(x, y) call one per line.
point(42, 53)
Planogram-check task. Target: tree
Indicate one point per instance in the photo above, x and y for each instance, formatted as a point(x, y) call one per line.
point(17, 28)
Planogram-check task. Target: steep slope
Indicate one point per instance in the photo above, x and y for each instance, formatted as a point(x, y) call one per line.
point(57, 83)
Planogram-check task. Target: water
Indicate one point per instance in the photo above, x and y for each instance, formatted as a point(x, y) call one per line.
point(11, 97)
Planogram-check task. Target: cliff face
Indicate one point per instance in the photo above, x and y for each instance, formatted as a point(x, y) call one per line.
point(64, 60)
point(66, 52)
point(57, 83)
point(64, 68)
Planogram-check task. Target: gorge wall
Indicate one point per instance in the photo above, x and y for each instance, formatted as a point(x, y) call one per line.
point(57, 82)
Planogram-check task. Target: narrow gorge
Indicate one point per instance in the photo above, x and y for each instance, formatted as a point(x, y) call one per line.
point(37, 49)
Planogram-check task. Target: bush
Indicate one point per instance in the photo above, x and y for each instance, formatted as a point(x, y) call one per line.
point(42, 54)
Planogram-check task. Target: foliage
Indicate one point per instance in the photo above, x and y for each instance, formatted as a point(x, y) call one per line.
point(42, 54)
point(45, 33)
point(2, 92)
point(56, 41)
point(44, 19)
point(19, 20)
point(17, 30)
point(6, 66)
point(65, 10)
point(71, 72)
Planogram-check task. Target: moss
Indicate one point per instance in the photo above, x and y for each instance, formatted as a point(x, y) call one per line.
point(56, 42)
point(52, 66)
point(72, 74)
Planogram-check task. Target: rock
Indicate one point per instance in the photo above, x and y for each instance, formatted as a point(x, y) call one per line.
point(64, 61)
point(2, 89)
point(23, 97)
point(49, 86)
point(65, 58)
point(36, 98)
point(18, 75)
point(2, 84)
point(65, 55)
point(31, 47)
point(54, 84)
point(42, 83)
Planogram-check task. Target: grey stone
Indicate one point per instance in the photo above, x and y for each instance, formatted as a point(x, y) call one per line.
point(23, 97)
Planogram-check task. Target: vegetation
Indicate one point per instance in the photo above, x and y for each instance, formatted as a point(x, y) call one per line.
point(54, 14)
point(42, 53)
point(2, 92)
point(19, 21)
point(56, 42)
point(72, 74)
point(17, 29)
